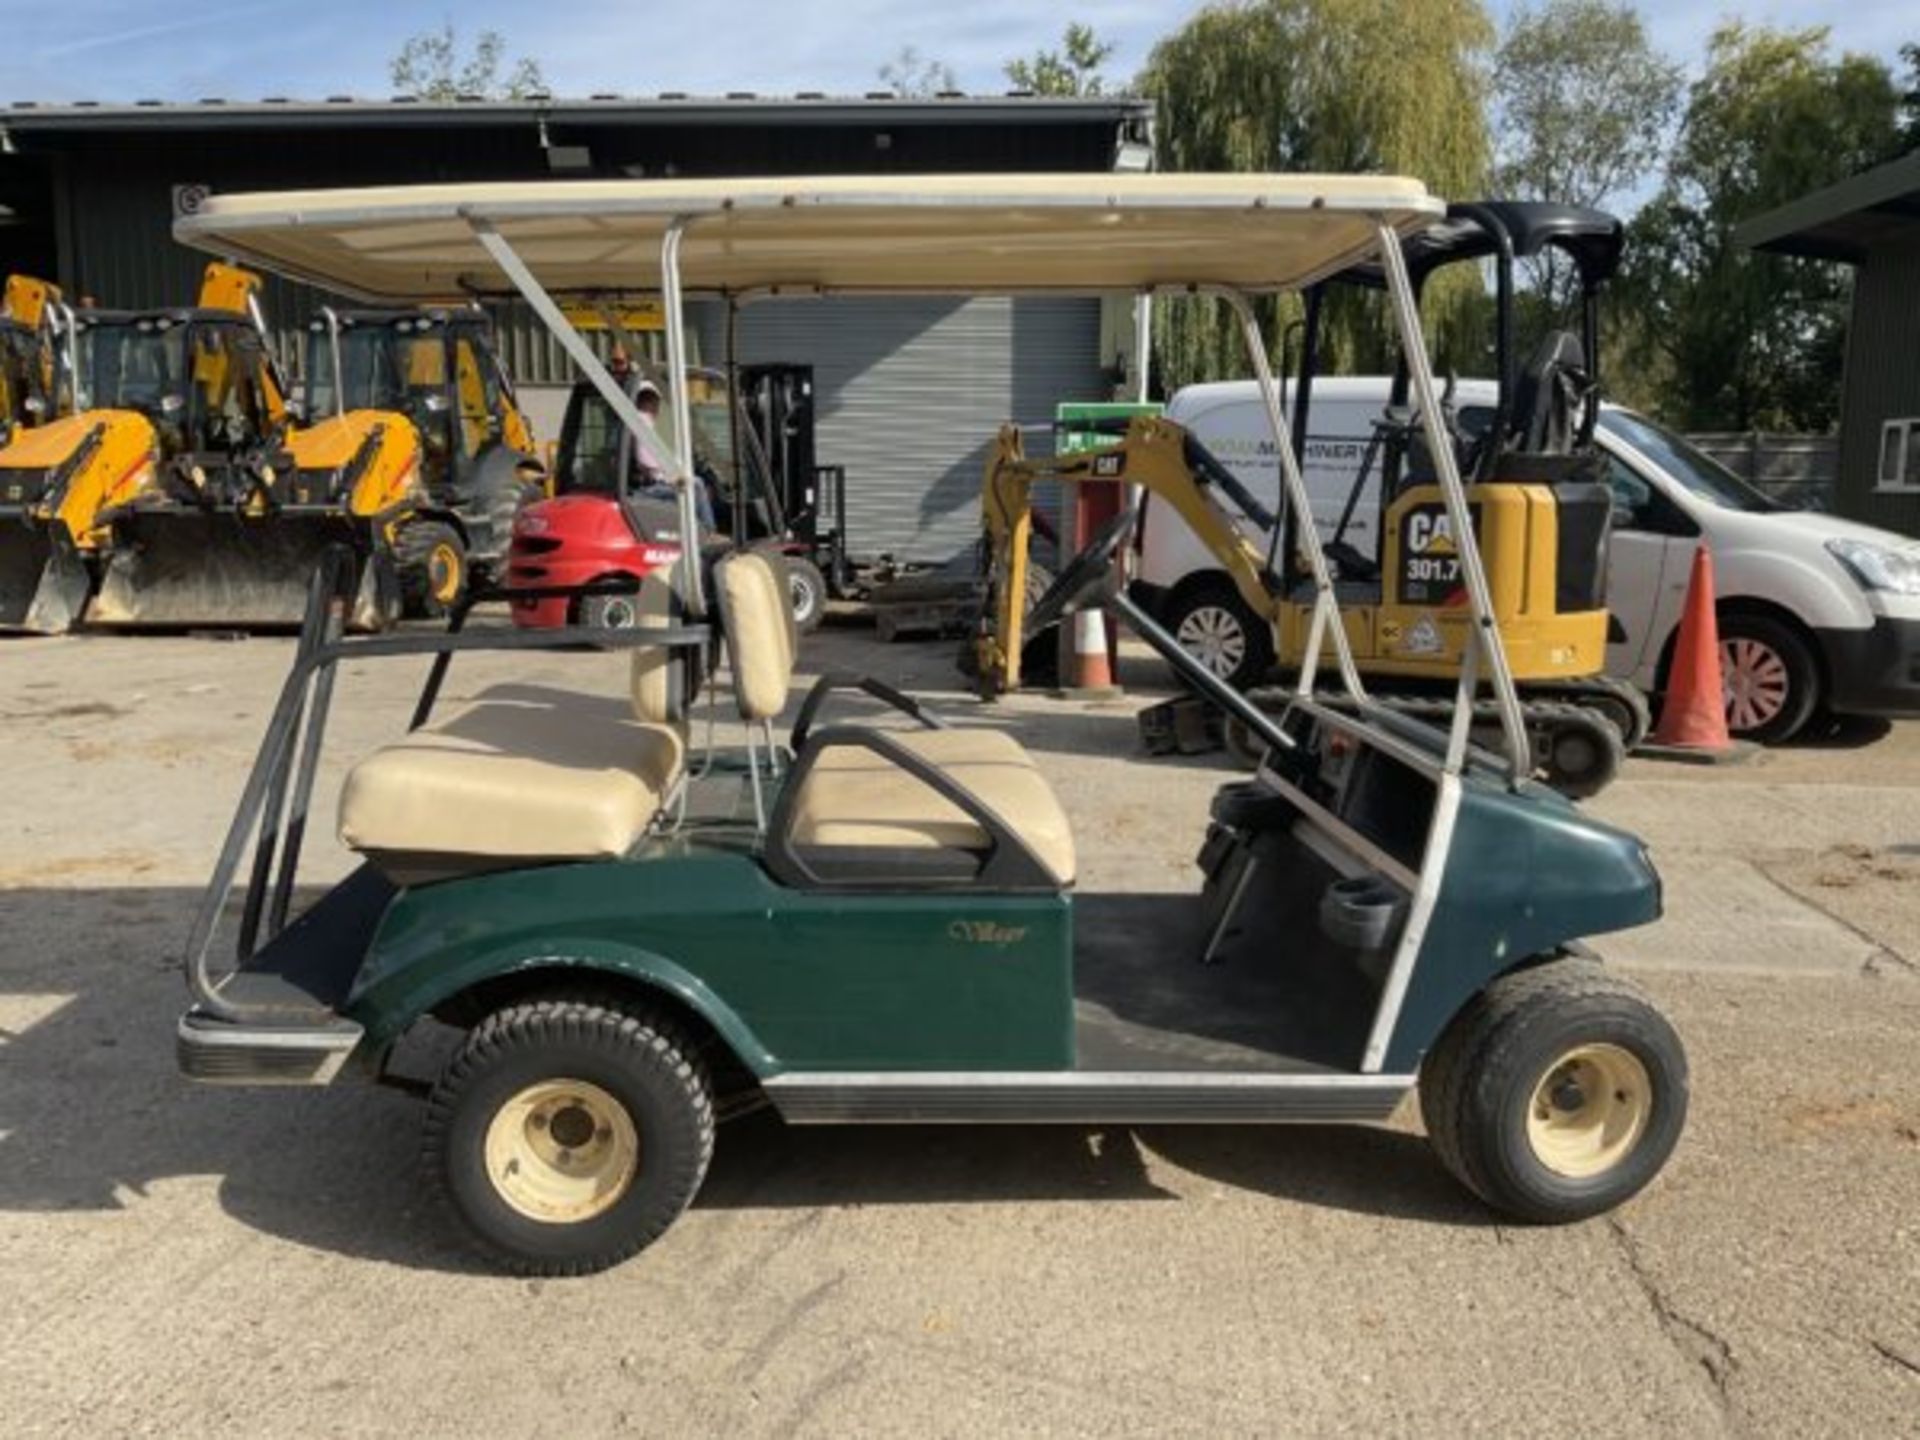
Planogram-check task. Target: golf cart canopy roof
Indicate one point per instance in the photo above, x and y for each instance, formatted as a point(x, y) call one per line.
point(1078, 233)
point(1591, 238)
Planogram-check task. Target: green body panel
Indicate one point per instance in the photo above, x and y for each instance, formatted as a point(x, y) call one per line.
point(1072, 419)
point(1527, 874)
point(791, 980)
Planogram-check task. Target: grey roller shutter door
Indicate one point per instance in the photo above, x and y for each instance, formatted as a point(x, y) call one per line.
point(910, 393)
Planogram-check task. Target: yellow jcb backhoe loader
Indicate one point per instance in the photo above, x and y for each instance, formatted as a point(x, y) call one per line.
point(61, 465)
point(435, 372)
point(243, 503)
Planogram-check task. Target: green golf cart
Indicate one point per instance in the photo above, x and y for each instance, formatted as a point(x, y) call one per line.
point(859, 923)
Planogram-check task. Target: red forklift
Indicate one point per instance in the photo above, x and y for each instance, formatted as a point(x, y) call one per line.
point(754, 451)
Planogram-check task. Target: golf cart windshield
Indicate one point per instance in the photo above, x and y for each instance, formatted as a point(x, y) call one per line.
point(1703, 475)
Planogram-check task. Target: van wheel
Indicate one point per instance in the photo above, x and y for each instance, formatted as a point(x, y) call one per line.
point(569, 1134)
point(1214, 625)
point(1557, 1094)
point(1771, 678)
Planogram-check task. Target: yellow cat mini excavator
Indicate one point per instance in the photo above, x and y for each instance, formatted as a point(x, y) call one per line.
point(1537, 495)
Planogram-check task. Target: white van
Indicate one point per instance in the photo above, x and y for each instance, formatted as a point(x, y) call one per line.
point(1815, 612)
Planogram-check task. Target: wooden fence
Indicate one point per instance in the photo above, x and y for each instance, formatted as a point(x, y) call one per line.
point(1798, 470)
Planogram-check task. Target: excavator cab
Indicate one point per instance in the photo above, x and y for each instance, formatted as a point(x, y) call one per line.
point(33, 362)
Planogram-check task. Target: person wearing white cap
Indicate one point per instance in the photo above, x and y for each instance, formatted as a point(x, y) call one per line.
point(654, 476)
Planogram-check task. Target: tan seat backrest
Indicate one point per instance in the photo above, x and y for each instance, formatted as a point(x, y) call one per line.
point(760, 638)
point(658, 673)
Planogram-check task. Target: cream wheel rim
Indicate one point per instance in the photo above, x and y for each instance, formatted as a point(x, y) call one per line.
point(562, 1151)
point(1589, 1110)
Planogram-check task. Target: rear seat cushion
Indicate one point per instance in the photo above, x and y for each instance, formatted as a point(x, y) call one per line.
point(854, 797)
point(523, 772)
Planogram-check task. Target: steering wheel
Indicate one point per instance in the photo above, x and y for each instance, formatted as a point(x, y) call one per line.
point(1084, 573)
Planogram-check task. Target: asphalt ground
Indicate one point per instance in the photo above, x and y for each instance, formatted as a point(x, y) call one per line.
point(194, 1261)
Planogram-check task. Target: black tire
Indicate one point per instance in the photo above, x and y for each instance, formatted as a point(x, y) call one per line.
point(806, 591)
point(1583, 753)
point(1527, 1031)
point(432, 560)
point(1772, 678)
point(608, 612)
point(1214, 625)
point(618, 1061)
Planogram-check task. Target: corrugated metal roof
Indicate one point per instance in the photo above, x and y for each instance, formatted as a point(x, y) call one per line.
point(667, 108)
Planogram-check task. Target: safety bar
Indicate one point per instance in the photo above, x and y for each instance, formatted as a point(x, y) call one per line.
point(274, 803)
point(866, 684)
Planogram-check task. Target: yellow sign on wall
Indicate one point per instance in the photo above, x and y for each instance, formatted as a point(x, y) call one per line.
point(633, 316)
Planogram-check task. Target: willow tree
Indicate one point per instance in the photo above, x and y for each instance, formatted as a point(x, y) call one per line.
point(1342, 86)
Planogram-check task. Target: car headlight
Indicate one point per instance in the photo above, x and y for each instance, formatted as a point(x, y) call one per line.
point(1879, 567)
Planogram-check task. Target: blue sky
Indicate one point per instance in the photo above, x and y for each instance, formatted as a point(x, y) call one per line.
point(134, 49)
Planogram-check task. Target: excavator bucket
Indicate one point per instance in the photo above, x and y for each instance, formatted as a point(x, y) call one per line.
point(43, 580)
point(190, 568)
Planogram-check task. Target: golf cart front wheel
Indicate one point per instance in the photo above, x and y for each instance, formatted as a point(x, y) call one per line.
point(569, 1134)
point(1557, 1094)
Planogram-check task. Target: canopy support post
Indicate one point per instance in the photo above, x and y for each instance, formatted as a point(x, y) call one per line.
point(1326, 603)
point(1419, 370)
point(676, 323)
point(1142, 345)
point(582, 355)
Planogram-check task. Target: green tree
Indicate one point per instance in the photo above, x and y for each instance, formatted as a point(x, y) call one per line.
point(1725, 337)
point(1073, 69)
point(1910, 98)
point(1582, 105)
point(431, 65)
point(1338, 86)
point(912, 75)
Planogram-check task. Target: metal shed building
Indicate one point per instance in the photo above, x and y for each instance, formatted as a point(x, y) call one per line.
point(1870, 221)
point(908, 391)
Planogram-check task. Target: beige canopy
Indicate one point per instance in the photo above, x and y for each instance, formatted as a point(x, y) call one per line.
point(1079, 233)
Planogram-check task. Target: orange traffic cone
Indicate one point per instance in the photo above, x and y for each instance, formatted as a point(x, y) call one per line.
point(1693, 716)
point(1092, 661)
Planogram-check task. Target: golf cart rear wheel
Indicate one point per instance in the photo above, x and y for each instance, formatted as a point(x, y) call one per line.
point(1557, 1094)
point(432, 560)
point(569, 1134)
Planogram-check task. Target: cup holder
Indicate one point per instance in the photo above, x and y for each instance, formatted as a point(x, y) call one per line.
point(1360, 912)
